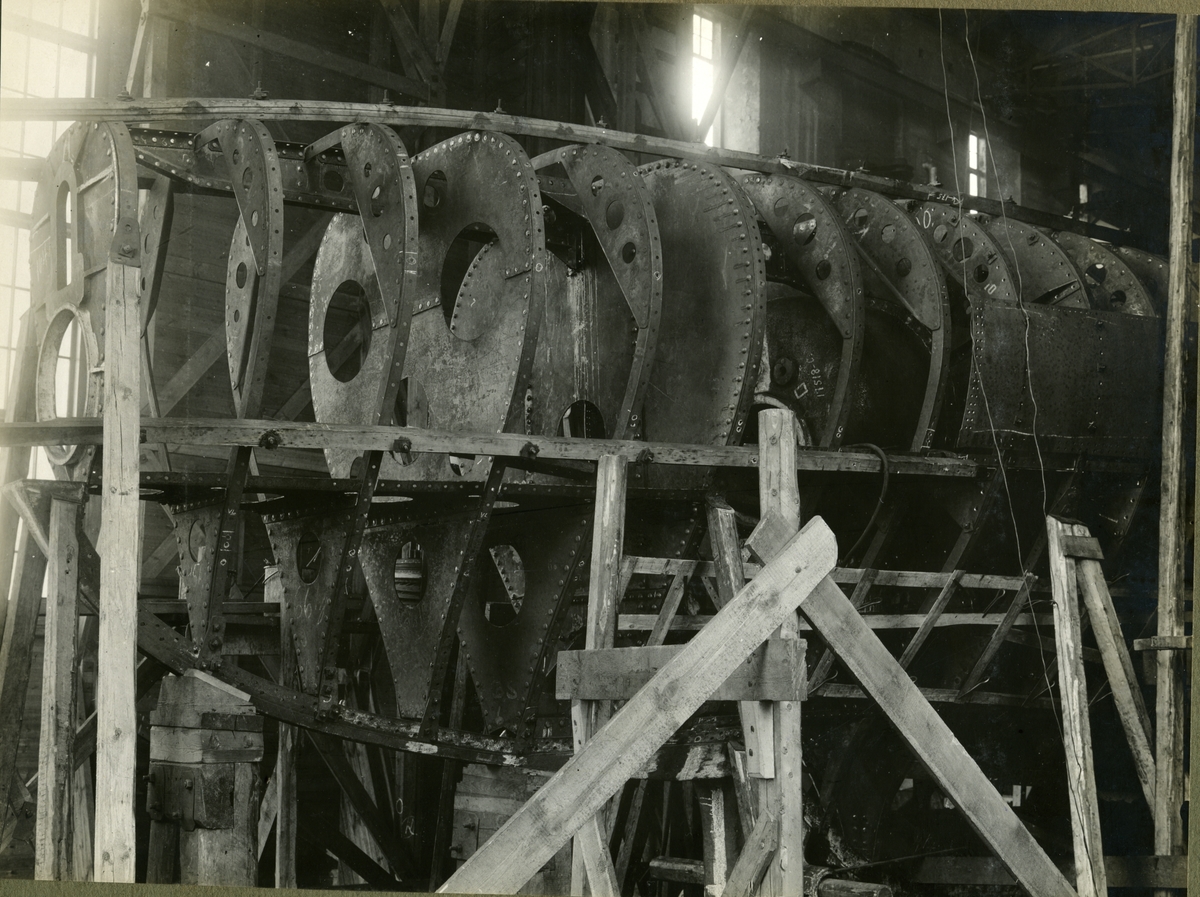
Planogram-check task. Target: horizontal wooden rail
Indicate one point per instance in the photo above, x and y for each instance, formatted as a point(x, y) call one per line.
point(270, 434)
point(205, 110)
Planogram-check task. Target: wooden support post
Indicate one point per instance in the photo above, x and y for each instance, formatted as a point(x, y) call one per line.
point(1077, 730)
point(608, 537)
point(53, 854)
point(120, 542)
point(718, 818)
point(1127, 693)
point(285, 760)
point(779, 494)
point(205, 744)
point(581, 787)
point(15, 464)
point(1168, 777)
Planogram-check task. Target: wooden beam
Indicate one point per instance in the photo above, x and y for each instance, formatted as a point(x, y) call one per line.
point(591, 777)
point(1127, 693)
point(1077, 730)
point(414, 54)
point(1169, 747)
point(931, 618)
point(453, 9)
point(756, 854)
point(286, 808)
point(228, 431)
point(666, 613)
point(774, 672)
point(53, 846)
point(14, 461)
point(116, 730)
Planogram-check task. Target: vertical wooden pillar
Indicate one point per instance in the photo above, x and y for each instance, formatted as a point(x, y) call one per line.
point(15, 463)
point(53, 847)
point(285, 761)
point(1077, 729)
point(1168, 824)
point(589, 852)
point(779, 493)
point(120, 542)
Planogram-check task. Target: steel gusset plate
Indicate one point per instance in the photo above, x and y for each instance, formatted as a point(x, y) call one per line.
point(819, 247)
point(307, 551)
point(1151, 270)
point(1110, 283)
point(377, 250)
point(195, 529)
point(410, 570)
point(89, 192)
point(255, 267)
point(1045, 273)
point(710, 338)
point(900, 268)
point(509, 622)
point(1089, 376)
point(471, 346)
point(967, 253)
point(600, 324)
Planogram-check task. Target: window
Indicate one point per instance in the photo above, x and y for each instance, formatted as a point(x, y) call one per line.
point(704, 34)
point(48, 50)
point(977, 165)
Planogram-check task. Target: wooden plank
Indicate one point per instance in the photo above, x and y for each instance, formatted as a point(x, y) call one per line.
point(773, 672)
point(604, 575)
point(1127, 693)
point(601, 875)
point(53, 848)
point(756, 854)
point(16, 654)
point(717, 822)
point(592, 776)
point(15, 460)
point(413, 53)
point(1077, 729)
point(931, 618)
point(931, 740)
point(1169, 745)
point(285, 759)
point(692, 623)
point(230, 432)
point(662, 624)
point(857, 598)
point(453, 9)
point(116, 730)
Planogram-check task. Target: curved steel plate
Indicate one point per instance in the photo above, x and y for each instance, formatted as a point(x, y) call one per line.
point(1110, 282)
point(592, 313)
point(966, 251)
point(701, 386)
point(472, 361)
point(91, 186)
point(255, 267)
point(1045, 274)
point(1151, 270)
point(1089, 375)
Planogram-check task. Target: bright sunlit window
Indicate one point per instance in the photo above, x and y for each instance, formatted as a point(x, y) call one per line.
point(703, 68)
point(977, 165)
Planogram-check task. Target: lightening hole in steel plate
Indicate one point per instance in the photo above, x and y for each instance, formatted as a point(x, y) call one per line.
point(332, 180)
point(378, 202)
point(411, 410)
point(367, 170)
point(239, 276)
point(247, 177)
point(962, 249)
point(460, 465)
point(308, 557)
point(888, 233)
point(70, 377)
point(237, 156)
point(64, 385)
point(581, 420)
point(940, 233)
point(237, 315)
point(254, 218)
point(860, 219)
point(1097, 272)
point(628, 253)
point(347, 330)
point(824, 269)
point(981, 273)
point(903, 267)
point(434, 190)
point(505, 591)
point(467, 301)
point(387, 241)
point(197, 540)
point(804, 228)
point(65, 203)
point(597, 184)
point(408, 573)
point(614, 214)
point(1118, 297)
